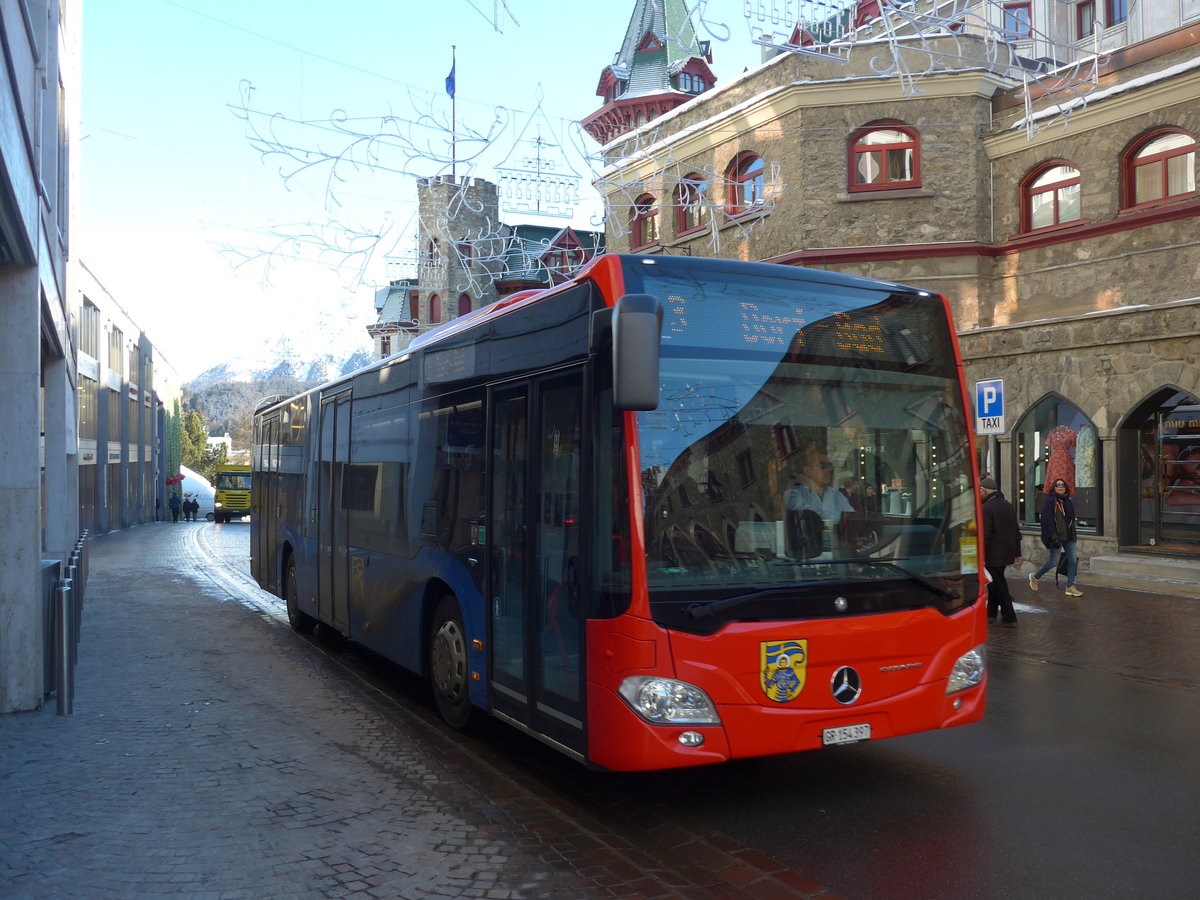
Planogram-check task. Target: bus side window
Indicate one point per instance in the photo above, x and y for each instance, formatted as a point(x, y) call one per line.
point(456, 494)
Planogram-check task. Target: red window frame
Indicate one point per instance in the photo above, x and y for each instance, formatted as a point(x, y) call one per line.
point(644, 227)
point(1115, 12)
point(1031, 191)
point(861, 149)
point(1086, 21)
point(746, 184)
point(1135, 162)
point(435, 309)
point(1023, 24)
point(691, 196)
point(464, 304)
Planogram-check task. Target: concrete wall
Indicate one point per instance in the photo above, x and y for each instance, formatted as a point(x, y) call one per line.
point(37, 362)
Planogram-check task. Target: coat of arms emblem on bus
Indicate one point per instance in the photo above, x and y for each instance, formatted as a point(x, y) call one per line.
point(783, 669)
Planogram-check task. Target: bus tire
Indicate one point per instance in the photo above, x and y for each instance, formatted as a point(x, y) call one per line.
point(301, 622)
point(449, 670)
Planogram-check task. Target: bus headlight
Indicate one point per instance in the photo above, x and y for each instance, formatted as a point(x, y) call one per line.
point(968, 671)
point(665, 701)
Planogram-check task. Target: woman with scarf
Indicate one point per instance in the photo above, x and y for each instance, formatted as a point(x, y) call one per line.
point(1058, 534)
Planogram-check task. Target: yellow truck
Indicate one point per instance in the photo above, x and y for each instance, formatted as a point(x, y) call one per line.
point(232, 498)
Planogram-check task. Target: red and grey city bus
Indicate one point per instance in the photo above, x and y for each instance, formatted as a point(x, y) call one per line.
point(673, 512)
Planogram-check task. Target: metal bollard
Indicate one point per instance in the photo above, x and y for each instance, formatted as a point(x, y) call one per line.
point(63, 658)
point(69, 574)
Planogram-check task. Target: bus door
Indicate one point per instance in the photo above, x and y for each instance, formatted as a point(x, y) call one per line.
point(535, 571)
point(332, 524)
point(264, 520)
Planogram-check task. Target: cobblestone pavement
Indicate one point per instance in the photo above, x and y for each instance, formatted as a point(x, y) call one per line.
point(214, 754)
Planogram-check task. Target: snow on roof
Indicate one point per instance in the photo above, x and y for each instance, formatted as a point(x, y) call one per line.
point(1133, 84)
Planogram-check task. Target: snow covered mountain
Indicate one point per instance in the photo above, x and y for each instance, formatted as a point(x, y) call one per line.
point(307, 358)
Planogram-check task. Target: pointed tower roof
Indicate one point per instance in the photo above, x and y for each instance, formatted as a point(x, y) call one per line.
point(661, 64)
point(659, 42)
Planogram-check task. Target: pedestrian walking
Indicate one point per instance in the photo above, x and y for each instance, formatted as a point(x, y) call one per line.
point(190, 507)
point(1058, 535)
point(1002, 547)
point(174, 504)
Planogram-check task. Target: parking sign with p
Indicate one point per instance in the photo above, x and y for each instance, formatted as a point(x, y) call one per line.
point(989, 406)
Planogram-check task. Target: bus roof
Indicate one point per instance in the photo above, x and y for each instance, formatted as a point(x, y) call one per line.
point(606, 267)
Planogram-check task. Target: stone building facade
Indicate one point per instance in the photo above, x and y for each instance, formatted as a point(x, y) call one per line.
point(1062, 227)
point(467, 258)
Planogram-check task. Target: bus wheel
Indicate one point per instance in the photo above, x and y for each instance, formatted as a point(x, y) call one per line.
point(301, 622)
point(448, 668)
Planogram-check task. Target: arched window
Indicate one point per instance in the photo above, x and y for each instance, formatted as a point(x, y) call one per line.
point(1050, 196)
point(464, 304)
point(435, 251)
point(1164, 432)
point(1055, 439)
point(884, 158)
point(685, 82)
point(1163, 167)
point(645, 221)
point(691, 199)
point(435, 309)
point(746, 180)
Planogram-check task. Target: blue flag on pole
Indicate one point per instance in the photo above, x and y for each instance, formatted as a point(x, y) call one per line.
point(450, 81)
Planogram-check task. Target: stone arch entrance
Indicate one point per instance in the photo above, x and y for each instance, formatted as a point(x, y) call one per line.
point(1159, 452)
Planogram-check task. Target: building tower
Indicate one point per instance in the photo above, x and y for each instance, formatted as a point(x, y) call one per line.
point(661, 65)
point(461, 246)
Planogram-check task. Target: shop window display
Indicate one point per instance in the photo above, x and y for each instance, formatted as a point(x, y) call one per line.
point(1169, 438)
point(1056, 440)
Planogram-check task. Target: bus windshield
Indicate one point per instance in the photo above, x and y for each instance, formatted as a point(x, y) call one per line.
point(810, 430)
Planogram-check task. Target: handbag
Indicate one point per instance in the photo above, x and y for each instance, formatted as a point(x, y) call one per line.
point(1062, 567)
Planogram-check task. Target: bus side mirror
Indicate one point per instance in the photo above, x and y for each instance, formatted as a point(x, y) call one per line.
point(636, 330)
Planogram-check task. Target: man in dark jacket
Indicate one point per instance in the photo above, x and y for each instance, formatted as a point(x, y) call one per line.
point(1002, 547)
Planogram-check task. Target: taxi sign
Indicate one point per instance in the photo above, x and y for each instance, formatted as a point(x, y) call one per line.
point(989, 406)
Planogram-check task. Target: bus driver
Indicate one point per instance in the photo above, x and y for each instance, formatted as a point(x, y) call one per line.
point(813, 507)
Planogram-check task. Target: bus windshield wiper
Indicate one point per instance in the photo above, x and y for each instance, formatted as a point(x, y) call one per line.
point(698, 611)
point(931, 586)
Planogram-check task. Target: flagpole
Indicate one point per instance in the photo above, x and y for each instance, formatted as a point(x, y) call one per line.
point(453, 118)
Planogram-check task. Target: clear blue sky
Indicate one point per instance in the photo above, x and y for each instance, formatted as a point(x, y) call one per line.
point(169, 175)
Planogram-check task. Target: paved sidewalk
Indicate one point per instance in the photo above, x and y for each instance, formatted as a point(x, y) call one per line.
point(214, 754)
point(1135, 634)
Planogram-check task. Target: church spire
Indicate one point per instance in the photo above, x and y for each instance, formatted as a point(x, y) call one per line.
point(660, 64)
